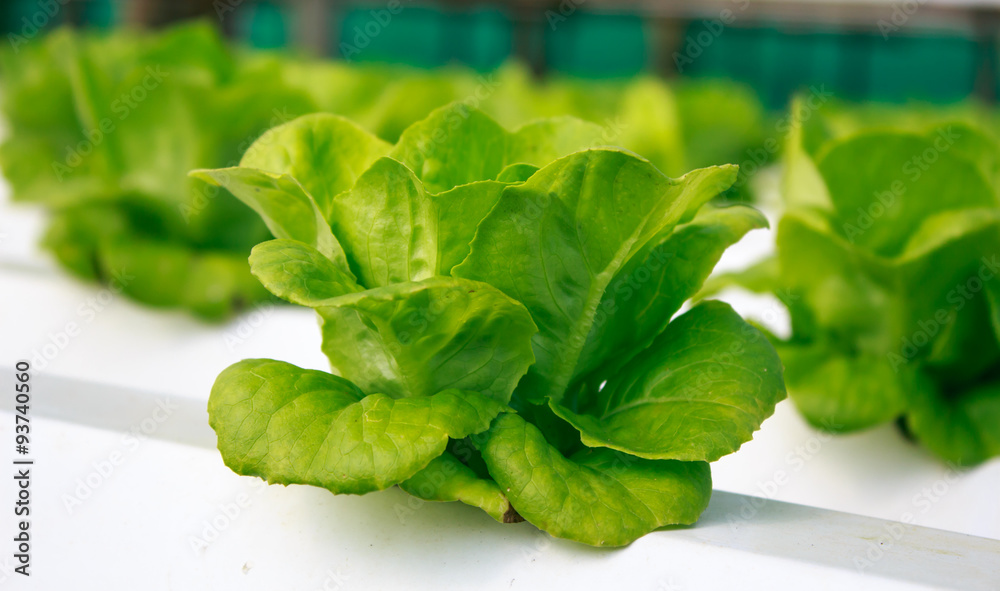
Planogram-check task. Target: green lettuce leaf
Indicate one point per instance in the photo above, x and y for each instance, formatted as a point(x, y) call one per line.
point(456, 145)
point(289, 211)
point(698, 392)
point(405, 339)
point(881, 187)
point(598, 497)
point(556, 242)
point(393, 230)
point(839, 392)
point(448, 479)
point(961, 430)
point(411, 339)
point(652, 286)
point(294, 426)
point(324, 153)
point(884, 261)
point(993, 297)
point(296, 272)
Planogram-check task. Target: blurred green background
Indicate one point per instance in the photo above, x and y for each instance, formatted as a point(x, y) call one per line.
point(877, 51)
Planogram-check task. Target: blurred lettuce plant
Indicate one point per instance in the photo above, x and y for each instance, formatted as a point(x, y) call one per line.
point(888, 259)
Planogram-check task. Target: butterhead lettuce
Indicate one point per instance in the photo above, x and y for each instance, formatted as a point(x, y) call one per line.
point(496, 307)
point(888, 259)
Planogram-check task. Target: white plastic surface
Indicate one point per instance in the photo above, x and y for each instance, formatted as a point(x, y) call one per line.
point(140, 520)
point(158, 510)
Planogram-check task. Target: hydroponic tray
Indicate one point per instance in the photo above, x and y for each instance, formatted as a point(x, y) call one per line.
point(161, 511)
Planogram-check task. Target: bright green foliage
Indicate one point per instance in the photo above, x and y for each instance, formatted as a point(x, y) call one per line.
point(104, 128)
point(595, 211)
point(677, 128)
point(448, 479)
point(596, 496)
point(515, 287)
point(888, 259)
point(296, 426)
point(708, 368)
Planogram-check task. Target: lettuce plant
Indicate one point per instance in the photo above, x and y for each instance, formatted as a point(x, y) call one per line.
point(103, 130)
point(887, 259)
point(497, 310)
